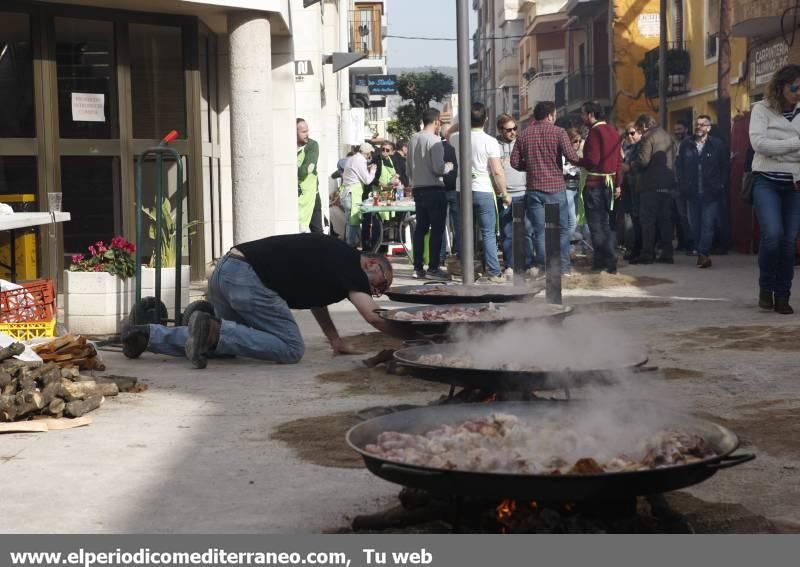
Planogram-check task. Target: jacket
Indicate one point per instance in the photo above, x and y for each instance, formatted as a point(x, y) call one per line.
point(703, 173)
point(776, 141)
point(655, 161)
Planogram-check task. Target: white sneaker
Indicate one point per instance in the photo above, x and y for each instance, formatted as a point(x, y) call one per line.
point(508, 272)
point(534, 272)
point(501, 279)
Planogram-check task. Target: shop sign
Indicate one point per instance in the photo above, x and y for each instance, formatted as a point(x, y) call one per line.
point(649, 25)
point(88, 107)
point(767, 60)
point(382, 84)
point(302, 69)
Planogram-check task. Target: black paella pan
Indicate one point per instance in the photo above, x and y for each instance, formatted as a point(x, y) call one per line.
point(542, 487)
point(490, 379)
point(447, 294)
point(403, 321)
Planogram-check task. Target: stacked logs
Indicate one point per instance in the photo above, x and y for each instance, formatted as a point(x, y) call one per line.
point(28, 391)
point(70, 350)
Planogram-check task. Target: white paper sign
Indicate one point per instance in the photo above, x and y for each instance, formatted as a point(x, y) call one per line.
point(649, 25)
point(88, 107)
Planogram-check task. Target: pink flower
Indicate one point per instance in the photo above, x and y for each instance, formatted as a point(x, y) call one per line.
point(98, 268)
point(92, 251)
point(77, 258)
point(101, 249)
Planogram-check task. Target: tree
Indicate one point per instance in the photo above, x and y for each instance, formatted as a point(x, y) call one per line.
point(418, 90)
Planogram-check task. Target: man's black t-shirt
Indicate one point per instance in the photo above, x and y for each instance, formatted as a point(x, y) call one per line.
point(307, 270)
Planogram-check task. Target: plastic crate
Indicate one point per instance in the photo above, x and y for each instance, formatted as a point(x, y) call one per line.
point(28, 331)
point(34, 302)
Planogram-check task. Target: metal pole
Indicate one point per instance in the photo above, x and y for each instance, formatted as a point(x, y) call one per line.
point(518, 241)
point(552, 252)
point(662, 64)
point(465, 145)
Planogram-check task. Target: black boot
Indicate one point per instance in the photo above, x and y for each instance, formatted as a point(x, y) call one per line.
point(765, 300)
point(203, 336)
point(782, 305)
point(135, 339)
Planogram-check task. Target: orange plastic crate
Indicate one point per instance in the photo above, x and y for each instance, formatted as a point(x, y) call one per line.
point(34, 302)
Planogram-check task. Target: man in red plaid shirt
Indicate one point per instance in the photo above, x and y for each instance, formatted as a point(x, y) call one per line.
point(540, 151)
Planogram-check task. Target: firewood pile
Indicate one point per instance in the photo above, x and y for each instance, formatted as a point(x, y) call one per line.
point(70, 350)
point(56, 388)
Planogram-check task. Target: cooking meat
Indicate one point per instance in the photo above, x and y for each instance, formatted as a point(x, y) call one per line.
point(502, 443)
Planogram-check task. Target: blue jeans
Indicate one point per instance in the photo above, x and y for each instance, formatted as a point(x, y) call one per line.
point(256, 321)
point(485, 207)
point(573, 215)
point(453, 212)
point(597, 202)
point(507, 232)
point(778, 210)
point(534, 203)
point(702, 213)
point(431, 209)
point(352, 232)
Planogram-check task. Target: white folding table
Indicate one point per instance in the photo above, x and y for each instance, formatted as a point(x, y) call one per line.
point(16, 221)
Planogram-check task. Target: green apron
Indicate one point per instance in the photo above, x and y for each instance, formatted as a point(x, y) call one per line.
point(356, 191)
point(307, 193)
point(580, 213)
point(387, 174)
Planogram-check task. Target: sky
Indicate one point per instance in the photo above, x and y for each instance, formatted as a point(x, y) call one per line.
point(425, 18)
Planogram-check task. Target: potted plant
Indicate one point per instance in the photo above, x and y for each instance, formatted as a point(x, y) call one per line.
point(99, 287)
point(169, 255)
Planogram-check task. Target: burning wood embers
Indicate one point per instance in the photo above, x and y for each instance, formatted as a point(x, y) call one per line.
point(56, 388)
point(421, 511)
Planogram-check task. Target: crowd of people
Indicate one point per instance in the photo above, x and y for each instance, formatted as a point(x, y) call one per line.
point(635, 192)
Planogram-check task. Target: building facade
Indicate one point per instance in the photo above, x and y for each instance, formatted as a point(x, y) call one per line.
point(87, 85)
point(495, 49)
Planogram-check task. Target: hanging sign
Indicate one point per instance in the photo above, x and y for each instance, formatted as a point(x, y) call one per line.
point(303, 67)
point(382, 84)
point(768, 59)
point(88, 107)
point(649, 25)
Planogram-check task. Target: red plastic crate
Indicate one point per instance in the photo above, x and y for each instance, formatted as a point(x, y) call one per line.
point(33, 302)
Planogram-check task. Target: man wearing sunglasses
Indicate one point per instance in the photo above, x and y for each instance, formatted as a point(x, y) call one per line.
point(252, 291)
point(516, 181)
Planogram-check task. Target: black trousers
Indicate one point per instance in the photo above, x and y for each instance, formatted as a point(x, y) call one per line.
point(597, 204)
point(431, 211)
point(655, 213)
point(316, 217)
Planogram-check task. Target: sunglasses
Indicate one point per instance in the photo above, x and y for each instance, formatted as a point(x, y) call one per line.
point(514, 129)
point(794, 88)
point(632, 133)
point(386, 150)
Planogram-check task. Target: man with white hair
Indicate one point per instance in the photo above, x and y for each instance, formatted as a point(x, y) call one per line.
point(358, 174)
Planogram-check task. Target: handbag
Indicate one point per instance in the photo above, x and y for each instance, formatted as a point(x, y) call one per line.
point(746, 191)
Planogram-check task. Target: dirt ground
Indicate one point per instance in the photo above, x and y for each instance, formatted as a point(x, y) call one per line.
point(588, 281)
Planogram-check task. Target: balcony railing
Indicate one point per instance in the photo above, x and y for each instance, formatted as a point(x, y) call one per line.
point(678, 68)
point(365, 33)
point(543, 87)
point(590, 83)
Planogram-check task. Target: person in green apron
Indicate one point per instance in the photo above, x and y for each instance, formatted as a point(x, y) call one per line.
point(357, 176)
point(600, 183)
point(309, 206)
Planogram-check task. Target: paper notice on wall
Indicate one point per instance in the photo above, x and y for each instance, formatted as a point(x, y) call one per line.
point(354, 129)
point(88, 107)
point(649, 25)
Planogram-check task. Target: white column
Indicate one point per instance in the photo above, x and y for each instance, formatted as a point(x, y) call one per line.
point(283, 198)
point(251, 120)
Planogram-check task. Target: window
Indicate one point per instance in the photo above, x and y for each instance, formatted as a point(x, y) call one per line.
point(712, 17)
point(551, 61)
point(86, 70)
point(157, 86)
point(16, 77)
